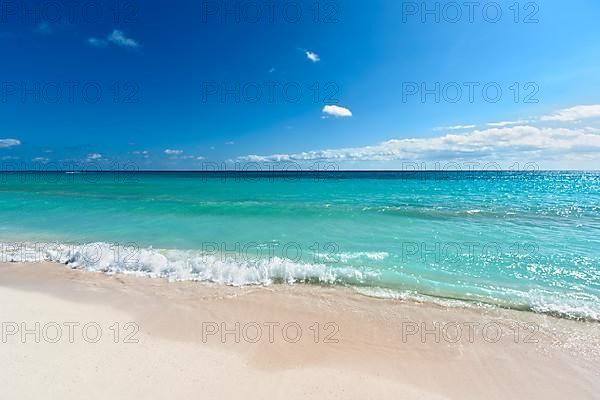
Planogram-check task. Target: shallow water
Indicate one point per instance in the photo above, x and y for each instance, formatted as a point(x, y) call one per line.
point(519, 240)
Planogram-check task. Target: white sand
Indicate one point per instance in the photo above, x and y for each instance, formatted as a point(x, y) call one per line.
point(371, 359)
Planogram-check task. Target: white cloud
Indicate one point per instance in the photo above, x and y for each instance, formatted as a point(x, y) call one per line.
point(314, 57)
point(94, 156)
point(143, 153)
point(230, 143)
point(172, 152)
point(493, 143)
point(454, 128)
point(44, 28)
point(337, 111)
point(508, 123)
point(42, 160)
point(574, 113)
point(97, 42)
point(118, 37)
point(4, 143)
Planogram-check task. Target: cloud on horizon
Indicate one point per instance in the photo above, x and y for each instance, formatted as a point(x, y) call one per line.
point(493, 142)
point(94, 156)
point(574, 113)
point(508, 123)
point(454, 128)
point(499, 141)
point(5, 143)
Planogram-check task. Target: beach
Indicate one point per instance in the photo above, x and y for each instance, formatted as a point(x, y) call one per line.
point(122, 336)
point(305, 200)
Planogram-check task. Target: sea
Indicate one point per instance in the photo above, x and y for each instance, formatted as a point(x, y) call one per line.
point(520, 240)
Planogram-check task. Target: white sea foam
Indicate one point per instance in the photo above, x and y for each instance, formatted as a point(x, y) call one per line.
point(192, 265)
point(567, 305)
point(344, 257)
point(577, 306)
point(181, 265)
point(414, 296)
point(371, 255)
point(473, 211)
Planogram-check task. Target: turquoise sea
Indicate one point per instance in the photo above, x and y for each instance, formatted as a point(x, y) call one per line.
point(527, 241)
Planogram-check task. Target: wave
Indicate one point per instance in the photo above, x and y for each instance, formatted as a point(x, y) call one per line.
point(571, 305)
point(194, 265)
point(184, 265)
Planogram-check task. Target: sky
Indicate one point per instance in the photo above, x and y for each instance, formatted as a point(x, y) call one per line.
point(193, 85)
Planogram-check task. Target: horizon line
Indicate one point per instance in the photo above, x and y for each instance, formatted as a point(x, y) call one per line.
point(296, 172)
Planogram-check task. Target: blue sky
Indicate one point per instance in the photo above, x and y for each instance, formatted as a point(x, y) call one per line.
point(187, 84)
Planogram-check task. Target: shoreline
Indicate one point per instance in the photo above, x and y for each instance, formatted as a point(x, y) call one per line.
point(61, 253)
point(280, 341)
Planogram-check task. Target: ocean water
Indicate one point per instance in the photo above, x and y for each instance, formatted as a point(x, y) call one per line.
point(528, 241)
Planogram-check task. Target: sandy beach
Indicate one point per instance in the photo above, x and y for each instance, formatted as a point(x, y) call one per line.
point(300, 200)
point(90, 335)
